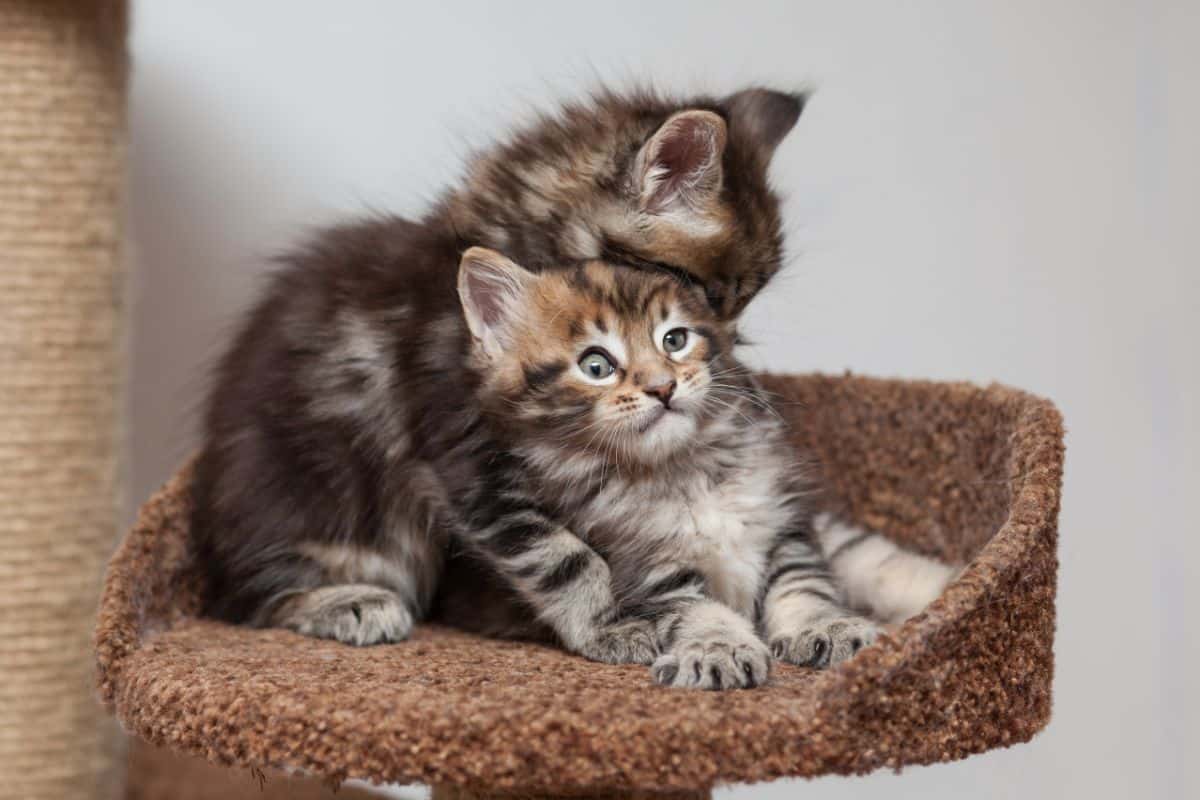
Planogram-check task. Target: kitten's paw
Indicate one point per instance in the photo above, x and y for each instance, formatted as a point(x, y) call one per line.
point(733, 662)
point(826, 642)
point(627, 642)
point(357, 614)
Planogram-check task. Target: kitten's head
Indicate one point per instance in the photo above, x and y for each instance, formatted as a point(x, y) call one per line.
point(644, 180)
point(595, 359)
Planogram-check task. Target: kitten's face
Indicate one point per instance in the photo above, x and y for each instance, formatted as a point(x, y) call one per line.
point(599, 359)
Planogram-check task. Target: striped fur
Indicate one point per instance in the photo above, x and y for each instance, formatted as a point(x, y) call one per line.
point(653, 515)
point(332, 406)
point(880, 579)
point(379, 449)
point(636, 533)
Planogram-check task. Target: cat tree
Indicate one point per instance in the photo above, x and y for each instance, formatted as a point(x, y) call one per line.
point(966, 474)
point(962, 473)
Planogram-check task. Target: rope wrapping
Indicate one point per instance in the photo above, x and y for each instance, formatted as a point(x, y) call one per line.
point(62, 81)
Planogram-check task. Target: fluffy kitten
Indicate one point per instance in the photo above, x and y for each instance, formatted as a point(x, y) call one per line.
point(649, 505)
point(638, 179)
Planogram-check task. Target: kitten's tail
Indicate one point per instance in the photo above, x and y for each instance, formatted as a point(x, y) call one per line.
point(879, 577)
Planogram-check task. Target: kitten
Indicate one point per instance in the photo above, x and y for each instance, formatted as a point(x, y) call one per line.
point(648, 504)
point(312, 434)
point(637, 179)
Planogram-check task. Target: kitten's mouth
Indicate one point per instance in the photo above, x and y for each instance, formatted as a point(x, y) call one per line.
point(655, 416)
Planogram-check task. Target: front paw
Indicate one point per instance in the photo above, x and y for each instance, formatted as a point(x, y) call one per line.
point(628, 642)
point(358, 614)
point(826, 642)
point(733, 661)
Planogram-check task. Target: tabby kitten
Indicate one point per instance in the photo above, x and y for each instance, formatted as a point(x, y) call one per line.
point(639, 493)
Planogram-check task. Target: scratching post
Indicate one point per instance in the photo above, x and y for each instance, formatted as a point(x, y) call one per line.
point(62, 77)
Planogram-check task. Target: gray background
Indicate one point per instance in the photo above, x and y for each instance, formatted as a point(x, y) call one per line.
point(984, 191)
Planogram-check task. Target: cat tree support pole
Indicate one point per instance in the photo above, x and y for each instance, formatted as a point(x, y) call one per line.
point(454, 793)
point(62, 78)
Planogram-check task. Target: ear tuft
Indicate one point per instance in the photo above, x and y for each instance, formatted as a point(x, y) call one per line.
point(763, 117)
point(681, 164)
point(492, 289)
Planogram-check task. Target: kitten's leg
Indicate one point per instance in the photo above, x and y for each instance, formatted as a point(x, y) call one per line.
point(354, 613)
point(363, 595)
point(565, 582)
point(711, 646)
point(803, 614)
point(704, 643)
point(354, 594)
point(281, 557)
point(879, 577)
point(569, 586)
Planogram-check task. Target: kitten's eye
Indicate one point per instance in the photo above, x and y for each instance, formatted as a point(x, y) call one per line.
point(596, 365)
point(675, 339)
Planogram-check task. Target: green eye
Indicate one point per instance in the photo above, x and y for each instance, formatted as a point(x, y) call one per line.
point(674, 340)
point(596, 365)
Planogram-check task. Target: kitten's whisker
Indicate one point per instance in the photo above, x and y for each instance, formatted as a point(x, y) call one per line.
point(749, 395)
point(732, 407)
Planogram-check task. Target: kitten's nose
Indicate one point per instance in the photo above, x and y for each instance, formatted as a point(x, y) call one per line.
point(662, 389)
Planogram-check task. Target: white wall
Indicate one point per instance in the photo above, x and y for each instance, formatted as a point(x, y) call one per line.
point(1000, 192)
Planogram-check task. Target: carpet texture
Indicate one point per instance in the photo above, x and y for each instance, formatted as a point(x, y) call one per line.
point(955, 471)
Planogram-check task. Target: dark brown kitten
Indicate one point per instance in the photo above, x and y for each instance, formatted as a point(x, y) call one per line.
point(637, 179)
point(313, 508)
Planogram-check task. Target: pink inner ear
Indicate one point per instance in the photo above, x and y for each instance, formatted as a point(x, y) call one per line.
point(487, 291)
point(684, 155)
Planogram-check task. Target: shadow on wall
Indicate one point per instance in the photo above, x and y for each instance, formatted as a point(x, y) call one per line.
point(184, 153)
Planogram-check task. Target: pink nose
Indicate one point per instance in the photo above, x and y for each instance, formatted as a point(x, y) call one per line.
point(663, 391)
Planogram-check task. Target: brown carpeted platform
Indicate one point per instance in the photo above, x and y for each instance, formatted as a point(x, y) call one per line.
point(953, 470)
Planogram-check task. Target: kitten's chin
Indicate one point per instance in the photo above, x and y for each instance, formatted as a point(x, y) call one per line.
point(665, 436)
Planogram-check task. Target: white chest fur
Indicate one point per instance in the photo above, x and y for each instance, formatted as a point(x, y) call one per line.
point(724, 529)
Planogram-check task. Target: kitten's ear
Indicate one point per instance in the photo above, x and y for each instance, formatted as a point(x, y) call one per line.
point(681, 164)
point(493, 290)
point(762, 117)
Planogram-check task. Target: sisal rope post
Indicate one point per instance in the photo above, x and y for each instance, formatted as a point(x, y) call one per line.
point(62, 78)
